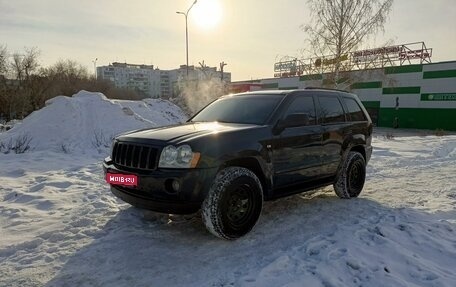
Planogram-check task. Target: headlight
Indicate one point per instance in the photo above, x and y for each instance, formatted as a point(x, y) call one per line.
point(180, 157)
point(184, 154)
point(169, 154)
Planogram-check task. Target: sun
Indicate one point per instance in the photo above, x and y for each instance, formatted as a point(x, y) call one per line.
point(207, 13)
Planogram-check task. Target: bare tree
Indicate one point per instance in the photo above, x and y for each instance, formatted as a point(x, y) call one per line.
point(30, 61)
point(3, 59)
point(3, 87)
point(25, 86)
point(16, 67)
point(67, 76)
point(341, 26)
point(24, 65)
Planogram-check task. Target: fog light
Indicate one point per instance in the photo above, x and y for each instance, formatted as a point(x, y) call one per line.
point(176, 185)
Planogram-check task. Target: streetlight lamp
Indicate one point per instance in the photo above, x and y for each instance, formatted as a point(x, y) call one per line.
point(186, 31)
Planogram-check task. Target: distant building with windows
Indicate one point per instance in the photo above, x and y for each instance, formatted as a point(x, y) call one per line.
point(142, 78)
point(153, 82)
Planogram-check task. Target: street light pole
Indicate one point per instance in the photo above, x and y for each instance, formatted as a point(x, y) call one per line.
point(222, 64)
point(186, 31)
point(95, 67)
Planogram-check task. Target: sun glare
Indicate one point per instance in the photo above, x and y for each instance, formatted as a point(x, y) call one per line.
point(207, 13)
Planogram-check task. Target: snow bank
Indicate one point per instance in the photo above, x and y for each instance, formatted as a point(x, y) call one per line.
point(87, 121)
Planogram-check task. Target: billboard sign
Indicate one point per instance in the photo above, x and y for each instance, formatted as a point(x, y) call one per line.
point(369, 58)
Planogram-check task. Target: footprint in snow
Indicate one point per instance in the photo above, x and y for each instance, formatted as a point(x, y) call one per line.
point(40, 178)
point(44, 205)
point(337, 253)
point(59, 184)
point(37, 187)
point(16, 173)
point(353, 264)
point(371, 236)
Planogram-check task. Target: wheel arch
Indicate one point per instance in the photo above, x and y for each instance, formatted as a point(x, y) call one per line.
point(253, 164)
point(355, 147)
point(360, 149)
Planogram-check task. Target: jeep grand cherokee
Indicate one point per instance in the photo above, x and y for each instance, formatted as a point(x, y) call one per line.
point(243, 149)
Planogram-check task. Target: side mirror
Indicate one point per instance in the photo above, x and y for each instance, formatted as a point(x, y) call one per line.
point(293, 120)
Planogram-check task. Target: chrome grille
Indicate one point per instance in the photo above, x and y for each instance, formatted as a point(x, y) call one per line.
point(134, 155)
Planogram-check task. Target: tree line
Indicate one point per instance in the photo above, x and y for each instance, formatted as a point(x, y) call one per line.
point(25, 85)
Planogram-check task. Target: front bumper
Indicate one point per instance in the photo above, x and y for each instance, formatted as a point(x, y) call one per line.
point(155, 191)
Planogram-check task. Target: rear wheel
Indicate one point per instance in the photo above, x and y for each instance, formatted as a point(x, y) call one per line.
point(233, 204)
point(351, 176)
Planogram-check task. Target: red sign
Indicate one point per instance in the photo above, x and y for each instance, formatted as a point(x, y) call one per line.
point(122, 179)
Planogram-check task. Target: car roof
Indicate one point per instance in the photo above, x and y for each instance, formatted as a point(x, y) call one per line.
point(264, 92)
point(286, 92)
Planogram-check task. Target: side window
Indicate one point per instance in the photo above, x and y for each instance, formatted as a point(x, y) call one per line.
point(354, 110)
point(303, 105)
point(331, 110)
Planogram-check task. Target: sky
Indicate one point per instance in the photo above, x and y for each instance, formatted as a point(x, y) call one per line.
point(250, 36)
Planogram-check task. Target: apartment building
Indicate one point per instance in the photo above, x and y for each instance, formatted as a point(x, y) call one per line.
point(155, 83)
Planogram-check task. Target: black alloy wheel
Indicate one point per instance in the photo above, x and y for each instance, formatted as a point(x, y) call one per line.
point(239, 205)
point(356, 177)
point(233, 204)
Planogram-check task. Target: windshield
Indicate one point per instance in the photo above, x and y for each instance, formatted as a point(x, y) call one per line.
point(252, 109)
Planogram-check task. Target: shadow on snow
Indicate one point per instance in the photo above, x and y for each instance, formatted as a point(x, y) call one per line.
point(315, 238)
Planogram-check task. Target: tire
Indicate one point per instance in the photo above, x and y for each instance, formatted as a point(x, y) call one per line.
point(351, 176)
point(233, 203)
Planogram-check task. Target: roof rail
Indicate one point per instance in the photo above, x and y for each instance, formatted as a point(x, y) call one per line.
point(329, 89)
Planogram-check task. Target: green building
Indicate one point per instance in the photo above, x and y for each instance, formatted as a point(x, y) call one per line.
point(421, 96)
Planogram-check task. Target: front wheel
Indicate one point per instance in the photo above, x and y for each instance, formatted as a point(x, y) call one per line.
point(351, 176)
point(233, 203)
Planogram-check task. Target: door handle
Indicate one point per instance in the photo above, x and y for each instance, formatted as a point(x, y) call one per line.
point(316, 137)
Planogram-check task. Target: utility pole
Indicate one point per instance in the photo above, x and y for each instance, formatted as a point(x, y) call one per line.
point(222, 64)
point(186, 30)
point(95, 67)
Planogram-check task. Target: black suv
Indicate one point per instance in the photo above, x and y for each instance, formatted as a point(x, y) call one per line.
point(242, 149)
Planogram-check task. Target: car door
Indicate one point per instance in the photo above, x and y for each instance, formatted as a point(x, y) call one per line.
point(332, 117)
point(296, 150)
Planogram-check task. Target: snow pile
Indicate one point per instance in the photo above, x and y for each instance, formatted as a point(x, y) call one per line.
point(88, 121)
point(159, 111)
point(61, 226)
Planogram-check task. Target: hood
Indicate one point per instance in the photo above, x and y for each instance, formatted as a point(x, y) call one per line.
point(184, 132)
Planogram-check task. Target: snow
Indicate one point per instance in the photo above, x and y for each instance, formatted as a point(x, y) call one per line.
point(61, 226)
point(88, 121)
